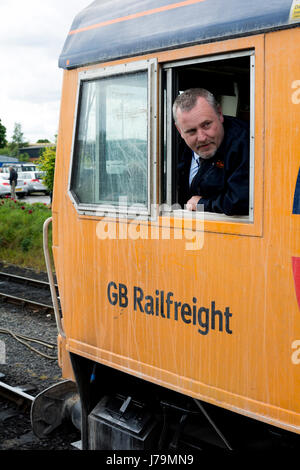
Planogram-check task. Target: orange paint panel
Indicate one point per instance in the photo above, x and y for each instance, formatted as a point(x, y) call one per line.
point(226, 333)
point(257, 43)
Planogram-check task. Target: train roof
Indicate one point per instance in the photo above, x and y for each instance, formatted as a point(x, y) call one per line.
point(112, 29)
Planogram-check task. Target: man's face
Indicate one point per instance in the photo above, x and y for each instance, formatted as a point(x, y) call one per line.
point(201, 128)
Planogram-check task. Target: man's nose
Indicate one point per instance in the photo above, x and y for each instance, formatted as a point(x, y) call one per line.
point(201, 135)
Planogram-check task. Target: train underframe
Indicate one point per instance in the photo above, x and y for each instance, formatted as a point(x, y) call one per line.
point(117, 411)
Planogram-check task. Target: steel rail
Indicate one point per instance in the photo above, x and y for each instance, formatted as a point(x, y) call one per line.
point(15, 394)
point(20, 300)
point(24, 280)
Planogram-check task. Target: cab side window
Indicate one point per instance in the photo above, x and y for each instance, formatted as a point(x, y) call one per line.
point(230, 78)
point(111, 149)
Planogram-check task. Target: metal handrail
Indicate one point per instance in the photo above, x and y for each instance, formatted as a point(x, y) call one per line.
point(51, 279)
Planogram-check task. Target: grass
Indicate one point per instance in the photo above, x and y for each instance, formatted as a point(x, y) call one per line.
point(21, 233)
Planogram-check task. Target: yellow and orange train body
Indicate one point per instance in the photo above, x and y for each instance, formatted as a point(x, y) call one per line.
point(220, 322)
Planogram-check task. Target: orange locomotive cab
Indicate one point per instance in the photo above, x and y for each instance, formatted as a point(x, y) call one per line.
point(173, 319)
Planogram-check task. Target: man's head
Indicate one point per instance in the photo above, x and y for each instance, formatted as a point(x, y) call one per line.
point(199, 120)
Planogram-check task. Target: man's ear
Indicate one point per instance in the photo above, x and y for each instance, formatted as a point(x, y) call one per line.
point(221, 117)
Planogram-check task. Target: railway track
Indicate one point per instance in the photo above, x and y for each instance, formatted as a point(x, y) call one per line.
point(16, 395)
point(16, 431)
point(32, 288)
point(28, 360)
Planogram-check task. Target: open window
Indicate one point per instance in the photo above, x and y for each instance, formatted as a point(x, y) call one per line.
point(230, 77)
point(113, 148)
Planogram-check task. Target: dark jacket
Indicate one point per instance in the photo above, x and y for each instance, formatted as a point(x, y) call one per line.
point(223, 180)
point(13, 176)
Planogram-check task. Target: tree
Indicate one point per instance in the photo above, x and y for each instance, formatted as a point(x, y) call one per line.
point(3, 141)
point(43, 141)
point(24, 157)
point(18, 136)
point(17, 141)
point(46, 163)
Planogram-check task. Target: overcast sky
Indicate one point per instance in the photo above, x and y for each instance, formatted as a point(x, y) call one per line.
point(32, 34)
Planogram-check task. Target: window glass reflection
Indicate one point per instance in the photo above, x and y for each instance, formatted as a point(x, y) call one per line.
point(110, 156)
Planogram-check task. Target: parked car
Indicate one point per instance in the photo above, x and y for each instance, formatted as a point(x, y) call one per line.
point(5, 189)
point(34, 181)
point(25, 166)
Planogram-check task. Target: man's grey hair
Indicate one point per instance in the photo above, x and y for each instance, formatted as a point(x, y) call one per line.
point(188, 99)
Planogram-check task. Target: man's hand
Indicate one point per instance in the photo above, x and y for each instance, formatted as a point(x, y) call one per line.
point(191, 205)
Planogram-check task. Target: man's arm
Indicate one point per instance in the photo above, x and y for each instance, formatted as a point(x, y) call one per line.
point(192, 203)
point(234, 199)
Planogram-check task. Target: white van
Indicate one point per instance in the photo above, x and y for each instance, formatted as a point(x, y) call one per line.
point(25, 166)
point(34, 181)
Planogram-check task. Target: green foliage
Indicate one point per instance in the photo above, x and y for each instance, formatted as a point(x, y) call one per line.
point(17, 141)
point(21, 233)
point(26, 244)
point(18, 136)
point(12, 150)
point(46, 163)
point(24, 157)
point(2, 135)
point(5, 151)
